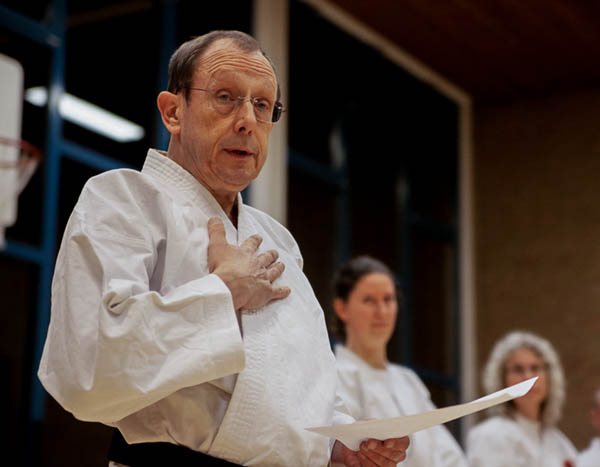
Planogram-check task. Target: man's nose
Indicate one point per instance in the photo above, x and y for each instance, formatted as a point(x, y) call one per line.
point(246, 107)
point(245, 116)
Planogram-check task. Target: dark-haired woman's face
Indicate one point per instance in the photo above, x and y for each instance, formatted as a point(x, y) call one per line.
point(369, 313)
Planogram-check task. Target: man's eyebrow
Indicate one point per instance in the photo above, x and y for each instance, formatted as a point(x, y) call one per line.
point(260, 91)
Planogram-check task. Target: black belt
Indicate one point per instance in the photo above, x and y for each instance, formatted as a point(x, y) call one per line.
point(158, 454)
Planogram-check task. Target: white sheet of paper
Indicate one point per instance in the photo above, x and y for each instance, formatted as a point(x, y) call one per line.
point(353, 433)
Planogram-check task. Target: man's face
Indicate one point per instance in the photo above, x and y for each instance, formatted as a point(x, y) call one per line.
point(226, 152)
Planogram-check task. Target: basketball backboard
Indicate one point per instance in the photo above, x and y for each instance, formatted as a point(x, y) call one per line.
point(11, 97)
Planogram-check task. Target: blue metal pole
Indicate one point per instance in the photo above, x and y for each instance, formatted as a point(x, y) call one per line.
point(33, 30)
point(23, 252)
point(90, 158)
point(50, 206)
point(168, 43)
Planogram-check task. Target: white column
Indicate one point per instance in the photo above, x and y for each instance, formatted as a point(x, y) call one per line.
point(271, 28)
point(468, 315)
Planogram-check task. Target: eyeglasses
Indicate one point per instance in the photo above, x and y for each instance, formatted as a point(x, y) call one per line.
point(521, 370)
point(225, 103)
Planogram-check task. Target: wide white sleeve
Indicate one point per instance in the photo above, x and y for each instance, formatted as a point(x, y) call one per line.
point(349, 394)
point(556, 440)
point(114, 346)
point(590, 457)
point(341, 414)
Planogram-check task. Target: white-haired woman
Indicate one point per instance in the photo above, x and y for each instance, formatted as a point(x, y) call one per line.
point(366, 305)
point(523, 432)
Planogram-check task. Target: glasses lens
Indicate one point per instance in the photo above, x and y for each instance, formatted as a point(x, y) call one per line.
point(277, 111)
point(262, 109)
point(223, 102)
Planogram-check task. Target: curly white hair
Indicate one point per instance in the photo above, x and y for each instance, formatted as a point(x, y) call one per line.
point(493, 373)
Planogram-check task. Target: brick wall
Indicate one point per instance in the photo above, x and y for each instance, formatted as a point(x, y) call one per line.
point(537, 202)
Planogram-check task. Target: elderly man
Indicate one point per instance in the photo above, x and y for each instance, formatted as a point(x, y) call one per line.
point(590, 457)
point(172, 318)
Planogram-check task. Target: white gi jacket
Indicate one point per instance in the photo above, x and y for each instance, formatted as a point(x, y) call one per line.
point(502, 441)
point(590, 457)
point(371, 393)
point(143, 338)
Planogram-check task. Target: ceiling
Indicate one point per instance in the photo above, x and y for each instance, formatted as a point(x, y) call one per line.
point(495, 50)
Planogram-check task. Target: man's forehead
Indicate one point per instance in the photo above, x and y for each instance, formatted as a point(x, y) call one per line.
point(224, 56)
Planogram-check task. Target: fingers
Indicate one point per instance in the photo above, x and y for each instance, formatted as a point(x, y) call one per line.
point(248, 275)
point(216, 235)
point(216, 231)
point(367, 462)
point(265, 295)
point(274, 271)
point(397, 443)
point(387, 453)
point(268, 258)
point(280, 292)
point(371, 458)
point(252, 243)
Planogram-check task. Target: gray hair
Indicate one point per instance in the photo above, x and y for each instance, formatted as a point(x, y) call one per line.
point(493, 374)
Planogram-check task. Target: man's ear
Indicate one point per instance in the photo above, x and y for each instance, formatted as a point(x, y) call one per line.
point(339, 306)
point(170, 111)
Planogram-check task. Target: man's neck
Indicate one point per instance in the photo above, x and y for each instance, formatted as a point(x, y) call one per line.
point(226, 199)
point(229, 204)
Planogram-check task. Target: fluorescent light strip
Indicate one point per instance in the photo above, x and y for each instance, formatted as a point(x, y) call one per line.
point(89, 116)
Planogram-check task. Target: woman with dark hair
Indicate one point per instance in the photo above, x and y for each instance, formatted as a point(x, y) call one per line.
point(523, 432)
point(365, 305)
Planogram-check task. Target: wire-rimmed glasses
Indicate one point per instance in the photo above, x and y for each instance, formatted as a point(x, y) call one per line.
point(225, 103)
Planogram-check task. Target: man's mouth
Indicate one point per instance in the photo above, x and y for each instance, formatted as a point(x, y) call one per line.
point(239, 151)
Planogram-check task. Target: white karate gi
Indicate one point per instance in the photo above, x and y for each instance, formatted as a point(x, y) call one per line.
point(502, 441)
point(590, 457)
point(371, 393)
point(143, 338)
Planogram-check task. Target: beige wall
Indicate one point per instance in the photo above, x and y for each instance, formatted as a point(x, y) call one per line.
point(537, 230)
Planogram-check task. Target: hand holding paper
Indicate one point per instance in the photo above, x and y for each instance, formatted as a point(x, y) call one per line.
point(372, 452)
point(397, 427)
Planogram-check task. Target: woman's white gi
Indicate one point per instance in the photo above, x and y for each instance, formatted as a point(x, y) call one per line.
point(503, 441)
point(143, 338)
point(371, 393)
point(590, 457)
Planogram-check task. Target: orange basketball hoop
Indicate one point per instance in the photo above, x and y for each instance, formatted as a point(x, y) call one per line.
point(18, 161)
point(15, 154)
point(21, 156)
